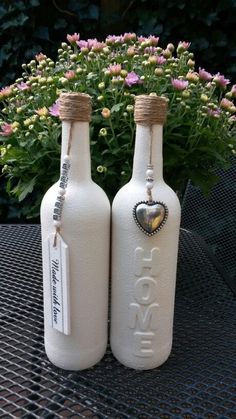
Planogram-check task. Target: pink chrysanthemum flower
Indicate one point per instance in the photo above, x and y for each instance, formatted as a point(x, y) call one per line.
point(184, 45)
point(233, 90)
point(142, 39)
point(113, 39)
point(214, 112)
point(91, 44)
point(72, 39)
point(54, 109)
point(153, 40)
point(131, 51)
point(150, 50)
point(40, 57)
point(7, 130)
point(82, 44)
point(226, 104)
point(5, 92)
point(204, 75)
point(179, 84)
point(98, 46)
point(23, 86)
point(129, 37)
point(114, 69)
point(220, 80)
point(132, 79)
point(161, 60)
point(70, 75)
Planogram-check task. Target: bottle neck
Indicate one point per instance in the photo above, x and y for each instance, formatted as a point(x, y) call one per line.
point(148, 141)
point(80, 161)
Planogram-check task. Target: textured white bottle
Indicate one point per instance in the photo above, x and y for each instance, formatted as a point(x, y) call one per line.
point(85, 229)
point(143, 267)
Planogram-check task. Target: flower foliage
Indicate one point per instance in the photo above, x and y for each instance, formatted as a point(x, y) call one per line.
point(199, 134)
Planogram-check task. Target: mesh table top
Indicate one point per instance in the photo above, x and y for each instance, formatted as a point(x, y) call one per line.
point(197, 381)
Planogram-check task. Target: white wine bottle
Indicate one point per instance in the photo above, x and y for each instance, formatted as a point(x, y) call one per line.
point(75, 221)
point(145, 232)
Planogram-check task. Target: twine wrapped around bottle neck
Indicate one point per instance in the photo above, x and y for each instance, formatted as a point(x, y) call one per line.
point(150, 110)
point(75, 107)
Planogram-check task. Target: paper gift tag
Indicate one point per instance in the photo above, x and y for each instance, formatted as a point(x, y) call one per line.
point(59, 284)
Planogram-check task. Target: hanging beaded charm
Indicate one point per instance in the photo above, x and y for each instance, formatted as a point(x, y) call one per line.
point(58, 206)
point(150, 216)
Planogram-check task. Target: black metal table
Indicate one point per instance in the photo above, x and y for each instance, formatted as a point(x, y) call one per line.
point(198, 380)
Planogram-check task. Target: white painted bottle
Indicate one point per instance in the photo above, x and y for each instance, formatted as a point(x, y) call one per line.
point(76, 306)
point(144, 249)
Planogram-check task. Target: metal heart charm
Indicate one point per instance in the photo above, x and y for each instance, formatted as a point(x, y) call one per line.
point(150, 216)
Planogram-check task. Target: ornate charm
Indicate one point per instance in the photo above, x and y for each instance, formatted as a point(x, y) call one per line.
point(150, 216)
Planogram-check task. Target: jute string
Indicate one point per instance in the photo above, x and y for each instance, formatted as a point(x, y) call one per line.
point(149, 191)
point(73, 107)
point(150, 110)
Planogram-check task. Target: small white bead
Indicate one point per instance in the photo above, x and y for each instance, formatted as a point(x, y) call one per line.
point(57, 223)
point(61, 191)
point(149, 173)
point(66, 158)
point(149, 185)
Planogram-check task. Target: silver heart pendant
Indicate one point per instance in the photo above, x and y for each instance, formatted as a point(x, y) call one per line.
point(150, 216)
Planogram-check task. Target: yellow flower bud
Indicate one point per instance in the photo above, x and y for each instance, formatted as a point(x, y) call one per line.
point(204, 98)
point(42, 111)
point(100, 169)
point(186, 93)
point(106, 113)
point(63, 81)
point(191, 63)
point(159, 71)
point(193, 77)
point(123, 73)
point(42, 80)
point(27, 122)
point(101, 85)
point(232, 109)
point(103, 132)
point(15, 124)
point(152, 59)
point(3, 151)
point(129, 108)
point(170, 47)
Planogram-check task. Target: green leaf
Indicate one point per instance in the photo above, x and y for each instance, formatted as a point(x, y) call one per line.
point(117, 107)
point(26, 189)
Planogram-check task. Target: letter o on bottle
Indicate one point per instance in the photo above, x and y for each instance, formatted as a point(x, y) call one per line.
point(145, 290)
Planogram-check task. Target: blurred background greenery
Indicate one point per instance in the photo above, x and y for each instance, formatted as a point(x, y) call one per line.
point(28, 27)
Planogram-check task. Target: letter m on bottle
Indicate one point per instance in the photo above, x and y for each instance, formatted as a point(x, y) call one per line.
point(143, 317)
